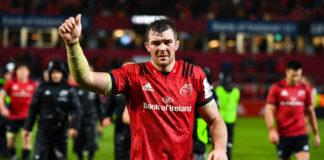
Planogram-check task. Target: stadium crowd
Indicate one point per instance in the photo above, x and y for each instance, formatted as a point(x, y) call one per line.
point(286, 10)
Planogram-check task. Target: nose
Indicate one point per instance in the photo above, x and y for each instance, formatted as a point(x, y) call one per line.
point(162, 47)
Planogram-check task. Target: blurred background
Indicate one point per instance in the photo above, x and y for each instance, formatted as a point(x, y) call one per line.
point(250, 39)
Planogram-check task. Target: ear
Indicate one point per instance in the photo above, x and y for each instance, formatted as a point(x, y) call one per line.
point(146, 44)
point(177, 43)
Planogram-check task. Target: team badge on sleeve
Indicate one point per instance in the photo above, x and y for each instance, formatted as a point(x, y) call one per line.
point(207, 90)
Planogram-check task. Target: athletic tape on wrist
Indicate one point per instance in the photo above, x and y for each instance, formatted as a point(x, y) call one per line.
point(78, 63)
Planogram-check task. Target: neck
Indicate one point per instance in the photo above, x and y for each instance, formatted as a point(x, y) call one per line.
point(166, 68)
point(23, 80)
point(290, 83)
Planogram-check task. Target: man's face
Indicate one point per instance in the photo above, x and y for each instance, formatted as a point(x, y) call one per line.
point(22, 73)
point(162, 47)
point(293, 76)
point(56, 76)
point(46, 76)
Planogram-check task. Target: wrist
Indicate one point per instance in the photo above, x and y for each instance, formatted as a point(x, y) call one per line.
point(220, 148)
point(72, 43)
point(271, 129)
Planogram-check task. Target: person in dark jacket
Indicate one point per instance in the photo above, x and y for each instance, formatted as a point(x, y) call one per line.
point(53, 101)
point(115, 104)
point(87, 133)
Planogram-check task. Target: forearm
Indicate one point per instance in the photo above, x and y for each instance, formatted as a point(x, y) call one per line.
point(78, 63)
point(269, 118)
point(97, 82)
point(2, 103)
point(219, 134)
point(313, 120)
point(125, 117)
point(210, 114)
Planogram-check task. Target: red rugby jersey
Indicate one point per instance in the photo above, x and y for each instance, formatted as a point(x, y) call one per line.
point(161, 108)
point(291, 102)
point(21, 95)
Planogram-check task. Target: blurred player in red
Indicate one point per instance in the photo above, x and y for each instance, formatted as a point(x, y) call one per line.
point(20, 90)
point(161, 95)
point(288, 99)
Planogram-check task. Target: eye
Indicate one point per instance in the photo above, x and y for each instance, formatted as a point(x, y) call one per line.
point(156, 43)
point(167, 42)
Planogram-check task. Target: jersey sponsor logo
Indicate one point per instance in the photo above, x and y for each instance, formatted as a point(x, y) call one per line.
point(207, 90)
point(186, 89)
point(291, 103)
point(284, 93)
point(22, 94)
point(167, 99)
point(301, 93)
point(167, 107)
point(148, 87)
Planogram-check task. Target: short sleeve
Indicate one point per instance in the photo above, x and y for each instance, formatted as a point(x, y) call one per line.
point(7, 86)
point(272, 95)
point(119, 80)
point(204, 92)
point(308, 99)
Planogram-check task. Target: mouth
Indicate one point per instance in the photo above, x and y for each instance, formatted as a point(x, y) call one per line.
point(163, 57)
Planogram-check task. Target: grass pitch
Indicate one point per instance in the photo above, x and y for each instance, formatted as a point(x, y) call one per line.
point(250, 142)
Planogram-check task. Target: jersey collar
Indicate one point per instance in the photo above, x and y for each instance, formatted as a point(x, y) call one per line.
point(154, 71)
point(284, 83)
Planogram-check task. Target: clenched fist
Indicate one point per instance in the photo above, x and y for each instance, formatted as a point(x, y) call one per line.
point(70, 30)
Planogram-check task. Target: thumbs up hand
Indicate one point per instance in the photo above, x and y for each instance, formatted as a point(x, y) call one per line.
point(71, 29)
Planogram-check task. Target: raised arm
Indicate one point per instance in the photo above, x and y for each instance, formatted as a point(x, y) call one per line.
point(210, 114)
point(269, 118)
point(97, 82)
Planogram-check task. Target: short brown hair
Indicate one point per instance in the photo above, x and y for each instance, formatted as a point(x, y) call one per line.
point(161, 25)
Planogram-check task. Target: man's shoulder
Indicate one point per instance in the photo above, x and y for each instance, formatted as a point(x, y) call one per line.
point(32, 82)
point(134, 68)
point(278, 84)
point(304, 86)
point(190, 70)
point(10, 81)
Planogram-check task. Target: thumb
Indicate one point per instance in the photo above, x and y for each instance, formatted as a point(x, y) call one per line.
point(78, 19)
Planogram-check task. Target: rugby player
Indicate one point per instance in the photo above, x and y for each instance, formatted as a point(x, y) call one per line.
point(20, 91)
point(289, 98)
point(161, 95)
